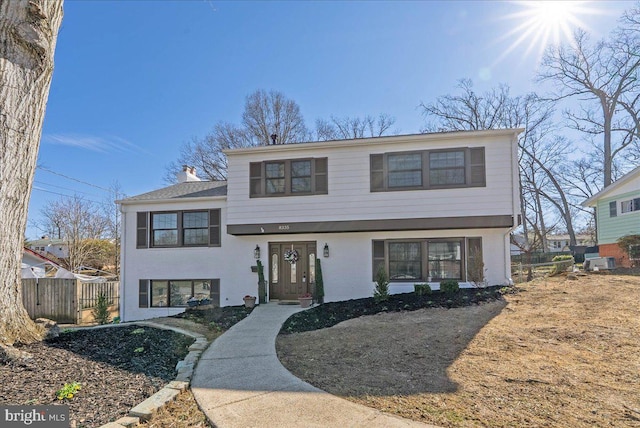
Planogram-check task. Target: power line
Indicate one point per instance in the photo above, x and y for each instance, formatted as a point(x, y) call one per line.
point(65, 188)
point(71, 178)
point(62, 194)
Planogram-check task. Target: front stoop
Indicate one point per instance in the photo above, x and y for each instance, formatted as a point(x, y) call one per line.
point(149, 407)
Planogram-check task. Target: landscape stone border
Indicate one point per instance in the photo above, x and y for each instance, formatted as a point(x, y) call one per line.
point(145, 410)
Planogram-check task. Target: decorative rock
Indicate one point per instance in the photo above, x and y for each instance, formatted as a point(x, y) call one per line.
point(112, 425)
point(50, 326)
point(180, 386)
point(128, 421)
point(148, 407)
point(572, 276)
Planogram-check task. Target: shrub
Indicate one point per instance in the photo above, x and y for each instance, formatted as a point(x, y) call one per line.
point(475, 268)
point(422, 289)
point(449, 286)
point(319, 289)
point(561, 263)
point(101, 310)
point(630, 245)
point(381, 292)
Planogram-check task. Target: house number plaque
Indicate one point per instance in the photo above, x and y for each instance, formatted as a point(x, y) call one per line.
point(283, 227)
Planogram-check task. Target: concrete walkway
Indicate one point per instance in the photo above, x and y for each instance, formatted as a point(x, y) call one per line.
point(239, 382)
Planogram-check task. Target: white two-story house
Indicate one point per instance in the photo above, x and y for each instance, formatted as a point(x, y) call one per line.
point(417, 205)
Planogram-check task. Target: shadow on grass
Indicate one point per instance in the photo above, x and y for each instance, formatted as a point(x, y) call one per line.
point(395, 353)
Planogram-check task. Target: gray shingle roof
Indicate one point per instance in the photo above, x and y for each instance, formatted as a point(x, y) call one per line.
point(189, 189)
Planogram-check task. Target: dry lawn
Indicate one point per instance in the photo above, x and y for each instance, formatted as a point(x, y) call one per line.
point(558, 353)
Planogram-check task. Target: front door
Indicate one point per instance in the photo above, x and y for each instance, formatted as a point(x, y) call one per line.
point(291, 269)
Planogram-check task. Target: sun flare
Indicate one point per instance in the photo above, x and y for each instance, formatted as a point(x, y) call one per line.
point(542, 23)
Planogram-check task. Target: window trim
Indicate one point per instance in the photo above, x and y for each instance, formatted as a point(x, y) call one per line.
point(258, 178)
point(146, 286)
point(146, 228)
point(379, 178)
point(379, 260)
point(634, 205)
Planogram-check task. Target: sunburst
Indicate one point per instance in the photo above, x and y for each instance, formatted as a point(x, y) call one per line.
point(542, 23)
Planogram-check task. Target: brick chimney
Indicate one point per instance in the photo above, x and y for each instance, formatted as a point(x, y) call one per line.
point(188, 173)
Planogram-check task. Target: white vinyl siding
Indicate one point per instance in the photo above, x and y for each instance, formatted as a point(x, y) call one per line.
point(350, 196)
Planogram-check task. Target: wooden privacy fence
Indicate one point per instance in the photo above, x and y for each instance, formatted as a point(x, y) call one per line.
point(67, 301)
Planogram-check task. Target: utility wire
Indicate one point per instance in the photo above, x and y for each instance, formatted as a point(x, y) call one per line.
point(71, 178)
point(65, 188)
point(61, 194)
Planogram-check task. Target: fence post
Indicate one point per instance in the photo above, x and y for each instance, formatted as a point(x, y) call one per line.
point(520, 272)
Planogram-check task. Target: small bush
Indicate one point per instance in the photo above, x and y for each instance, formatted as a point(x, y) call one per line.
point(101, 310)
point(561, 263)
point(422, 289)
point(381, 292)
point(449, 286)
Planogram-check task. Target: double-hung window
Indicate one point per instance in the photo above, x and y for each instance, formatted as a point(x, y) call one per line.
point(178, 229)
point(405, 170)
point(290, 177)
point(424, 259)
point(428, 169)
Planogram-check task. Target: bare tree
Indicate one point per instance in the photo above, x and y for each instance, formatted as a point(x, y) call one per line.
point(112, 216)
point(539, 157)
point(28, 34)
point(265, 114)
point(604, 77)
point(354, 127)
point(80, 223)
point(272, 113)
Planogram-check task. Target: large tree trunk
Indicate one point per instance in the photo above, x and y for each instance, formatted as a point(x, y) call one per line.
point(28, 33)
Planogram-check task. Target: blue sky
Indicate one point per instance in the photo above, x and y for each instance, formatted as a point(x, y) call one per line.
point(133, 81)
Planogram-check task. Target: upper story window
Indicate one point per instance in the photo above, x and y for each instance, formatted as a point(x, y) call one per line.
point(630, 206)
point(433, 169)
point(178, 229)
point(291, 177)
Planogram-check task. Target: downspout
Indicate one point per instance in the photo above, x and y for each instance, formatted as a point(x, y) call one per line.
point(123, 249)
point(516, 211)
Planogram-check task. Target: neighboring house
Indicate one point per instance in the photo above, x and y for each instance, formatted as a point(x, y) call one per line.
point(561, 243)
point(419, 206)
point(617, 214)
point(35, 265)
point(50, 246)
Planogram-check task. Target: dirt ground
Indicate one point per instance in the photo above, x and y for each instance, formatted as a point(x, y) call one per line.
point(559, 352)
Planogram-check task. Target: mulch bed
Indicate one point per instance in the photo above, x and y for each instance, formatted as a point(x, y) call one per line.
point(117, 369)
point(330, 314)
point(216, 318)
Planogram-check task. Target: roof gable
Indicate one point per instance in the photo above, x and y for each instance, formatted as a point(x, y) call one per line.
point(628, 177)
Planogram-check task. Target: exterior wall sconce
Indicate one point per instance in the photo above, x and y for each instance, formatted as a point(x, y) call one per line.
point(325, 252)
point(256, 252)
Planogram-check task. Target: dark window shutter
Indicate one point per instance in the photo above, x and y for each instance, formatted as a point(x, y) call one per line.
point(214, 228)
point(142, 234)
point(255, 179)
point(321, 176)
point(214, 293)
point(143, 293)
point(475, 264)
point(377, 172)
point(378, 257)
point(613, 210)
point(636, 204)
point(477, 167)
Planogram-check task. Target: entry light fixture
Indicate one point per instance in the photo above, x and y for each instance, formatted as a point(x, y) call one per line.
point(256, 252)
point(325, 252)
